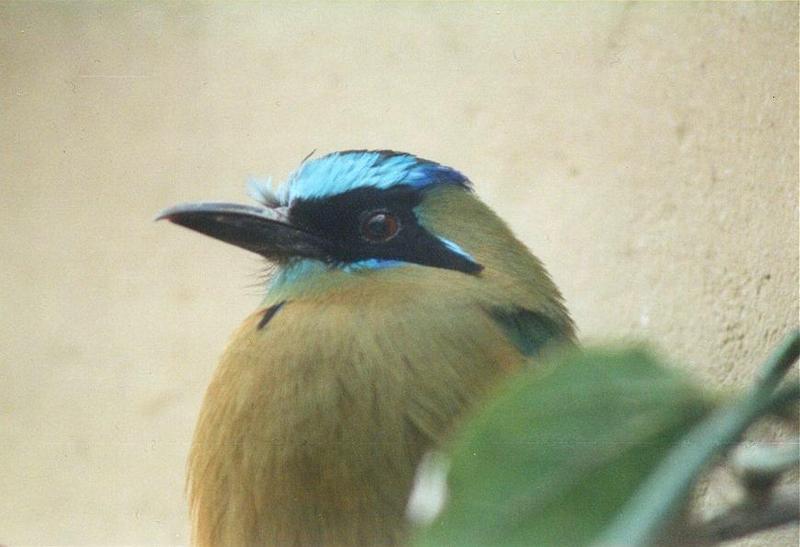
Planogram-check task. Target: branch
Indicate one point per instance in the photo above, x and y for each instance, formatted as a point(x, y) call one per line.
point(776, 366)
point(749, 518)
point(759, 467)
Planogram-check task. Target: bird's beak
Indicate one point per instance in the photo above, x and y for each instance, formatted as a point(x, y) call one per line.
point(265, 231)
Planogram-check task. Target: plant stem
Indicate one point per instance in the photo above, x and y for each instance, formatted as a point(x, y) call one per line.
point(783, 507)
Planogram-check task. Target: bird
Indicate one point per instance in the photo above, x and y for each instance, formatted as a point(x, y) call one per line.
point(398, 302)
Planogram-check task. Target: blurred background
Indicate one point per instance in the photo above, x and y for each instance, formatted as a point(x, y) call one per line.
point(648, 154)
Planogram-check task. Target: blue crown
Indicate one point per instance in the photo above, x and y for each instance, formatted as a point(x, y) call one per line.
point(341, 172)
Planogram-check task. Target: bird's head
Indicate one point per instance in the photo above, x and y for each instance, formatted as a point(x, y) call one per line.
point(361, 213)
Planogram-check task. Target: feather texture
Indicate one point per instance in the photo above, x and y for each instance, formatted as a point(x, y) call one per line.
point(313, 425)
point(341, 172)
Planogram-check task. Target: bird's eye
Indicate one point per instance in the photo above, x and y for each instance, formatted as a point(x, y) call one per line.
point(379, 226)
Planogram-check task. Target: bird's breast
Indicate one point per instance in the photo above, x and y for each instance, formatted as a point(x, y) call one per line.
point(321, 408)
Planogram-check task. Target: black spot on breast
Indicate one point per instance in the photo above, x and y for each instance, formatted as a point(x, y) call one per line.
point(269, 313)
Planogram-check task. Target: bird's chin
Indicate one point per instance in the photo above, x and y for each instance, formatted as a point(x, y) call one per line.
point(264, 231)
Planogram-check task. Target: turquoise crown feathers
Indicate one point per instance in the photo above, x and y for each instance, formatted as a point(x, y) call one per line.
point(340, 172)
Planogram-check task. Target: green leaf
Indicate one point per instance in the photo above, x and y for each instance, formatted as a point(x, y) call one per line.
point(666, 488)
point(553, 458)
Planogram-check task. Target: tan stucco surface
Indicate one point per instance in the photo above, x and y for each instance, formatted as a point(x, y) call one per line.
point(647, 153)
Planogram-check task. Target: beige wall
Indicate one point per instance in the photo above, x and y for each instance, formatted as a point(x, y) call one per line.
point(647, 153)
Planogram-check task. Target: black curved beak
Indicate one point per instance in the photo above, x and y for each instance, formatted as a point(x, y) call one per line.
point(267, 232)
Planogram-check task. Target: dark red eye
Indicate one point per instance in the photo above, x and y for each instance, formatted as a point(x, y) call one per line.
point(379, 226)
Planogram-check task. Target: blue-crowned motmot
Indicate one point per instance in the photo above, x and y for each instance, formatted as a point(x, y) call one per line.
point(399, 299)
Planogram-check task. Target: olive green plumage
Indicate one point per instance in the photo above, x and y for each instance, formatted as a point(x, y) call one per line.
point(319, 412)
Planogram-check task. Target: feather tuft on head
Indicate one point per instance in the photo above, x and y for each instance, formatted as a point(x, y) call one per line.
point(262, 191)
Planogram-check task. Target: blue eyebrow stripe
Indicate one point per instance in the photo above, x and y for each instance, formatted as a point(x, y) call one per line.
point(456, 249)
point(373, 264)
